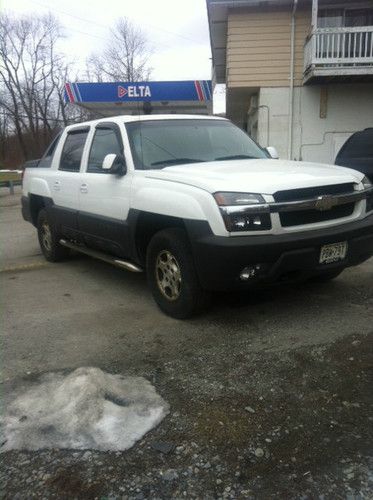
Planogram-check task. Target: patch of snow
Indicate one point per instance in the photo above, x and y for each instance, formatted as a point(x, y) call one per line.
point(86, 409)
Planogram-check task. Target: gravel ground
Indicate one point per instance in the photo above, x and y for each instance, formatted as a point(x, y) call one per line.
point(285, 424)
point(271, 396)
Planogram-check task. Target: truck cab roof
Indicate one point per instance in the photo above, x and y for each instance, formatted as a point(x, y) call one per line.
point(135, 118)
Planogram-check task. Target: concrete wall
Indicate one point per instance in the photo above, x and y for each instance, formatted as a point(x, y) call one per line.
point(324, 117)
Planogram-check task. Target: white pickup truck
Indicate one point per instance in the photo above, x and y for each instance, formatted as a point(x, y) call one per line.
point(197, 204)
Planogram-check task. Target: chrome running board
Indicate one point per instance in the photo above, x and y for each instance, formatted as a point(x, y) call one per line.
point(123, 264)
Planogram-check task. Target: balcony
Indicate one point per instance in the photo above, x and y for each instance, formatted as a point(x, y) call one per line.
point(339, 54)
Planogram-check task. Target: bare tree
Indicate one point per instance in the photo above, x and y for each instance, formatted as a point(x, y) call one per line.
point(4, 133)
point(30, 91)
point(33, 73)
point(125, 58)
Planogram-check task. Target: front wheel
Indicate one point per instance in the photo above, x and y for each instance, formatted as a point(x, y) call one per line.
point(49, 239)
point(172, 276)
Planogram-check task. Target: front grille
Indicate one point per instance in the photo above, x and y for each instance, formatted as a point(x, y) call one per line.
point(312, 216)
point(300, 217)
point(313, 192)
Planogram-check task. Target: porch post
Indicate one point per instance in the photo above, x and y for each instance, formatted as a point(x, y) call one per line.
point(314, 14)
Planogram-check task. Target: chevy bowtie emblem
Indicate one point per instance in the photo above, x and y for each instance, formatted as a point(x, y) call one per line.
point(325, 203)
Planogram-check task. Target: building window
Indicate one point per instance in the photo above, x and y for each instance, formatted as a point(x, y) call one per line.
point(330, 18)
point(344, 18)
point(358, 17)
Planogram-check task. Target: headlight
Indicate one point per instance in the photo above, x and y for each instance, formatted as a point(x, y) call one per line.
point(366, 183)
point(243, 211)
point(226, 199)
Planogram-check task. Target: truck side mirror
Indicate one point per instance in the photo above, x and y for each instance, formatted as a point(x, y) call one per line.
point(115, 164)
point(272, 152)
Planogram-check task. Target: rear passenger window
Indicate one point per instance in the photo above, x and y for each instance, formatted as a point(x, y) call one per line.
point(46, 160)
point(72, 150)
point(105, 141)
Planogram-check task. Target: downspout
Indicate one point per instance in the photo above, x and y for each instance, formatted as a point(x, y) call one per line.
point(291, 82)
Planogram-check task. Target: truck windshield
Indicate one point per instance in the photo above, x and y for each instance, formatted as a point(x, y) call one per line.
point(157, 144)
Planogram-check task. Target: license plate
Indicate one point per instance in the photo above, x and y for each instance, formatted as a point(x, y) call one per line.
point(333, 253)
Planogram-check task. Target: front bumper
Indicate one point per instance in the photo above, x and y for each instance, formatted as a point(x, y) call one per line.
point(287, 257)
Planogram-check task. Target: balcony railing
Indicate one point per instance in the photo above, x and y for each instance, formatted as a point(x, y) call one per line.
point(339, 48)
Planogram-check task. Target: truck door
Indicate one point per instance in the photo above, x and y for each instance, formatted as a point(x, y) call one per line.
point(104, 197)
point(64, 186)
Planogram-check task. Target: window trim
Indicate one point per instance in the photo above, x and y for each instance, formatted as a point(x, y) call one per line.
point(77, 130)
point(105, 125)
point(74, 131)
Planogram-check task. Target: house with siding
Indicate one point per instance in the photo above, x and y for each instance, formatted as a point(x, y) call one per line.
point(298, 73)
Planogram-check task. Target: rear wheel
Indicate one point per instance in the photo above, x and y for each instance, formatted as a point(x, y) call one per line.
point(172, 276)
point(49, 239)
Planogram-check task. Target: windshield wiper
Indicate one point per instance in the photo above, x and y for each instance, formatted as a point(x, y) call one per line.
point(236, 157)
point(176, 161)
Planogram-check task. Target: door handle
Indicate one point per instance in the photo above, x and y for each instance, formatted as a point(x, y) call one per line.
point(57, 186)
point(84, 188)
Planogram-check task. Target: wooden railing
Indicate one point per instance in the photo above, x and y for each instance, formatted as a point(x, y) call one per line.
point(344, 47)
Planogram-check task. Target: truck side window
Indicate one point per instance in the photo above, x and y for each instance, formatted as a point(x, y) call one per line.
point(105, 141)
point(46, 160)
point(72, 150)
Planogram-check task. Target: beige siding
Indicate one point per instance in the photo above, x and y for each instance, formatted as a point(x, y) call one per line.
point(258, 47)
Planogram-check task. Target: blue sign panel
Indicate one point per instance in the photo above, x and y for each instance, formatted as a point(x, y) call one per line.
point(195, 90)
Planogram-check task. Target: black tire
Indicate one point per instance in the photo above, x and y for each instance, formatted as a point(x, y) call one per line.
point(327, 276)
point(49, 239)
point(184, 297)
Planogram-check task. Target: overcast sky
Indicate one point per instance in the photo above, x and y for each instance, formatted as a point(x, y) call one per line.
point(177, 31)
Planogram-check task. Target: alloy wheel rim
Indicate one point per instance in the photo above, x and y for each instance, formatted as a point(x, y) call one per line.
point(46, 236)
point(168, 275)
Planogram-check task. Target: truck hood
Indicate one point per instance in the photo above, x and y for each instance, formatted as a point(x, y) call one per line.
point(256, 176)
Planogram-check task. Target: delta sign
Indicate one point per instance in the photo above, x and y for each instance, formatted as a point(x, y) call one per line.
point(134, 91)
point(193, 90)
